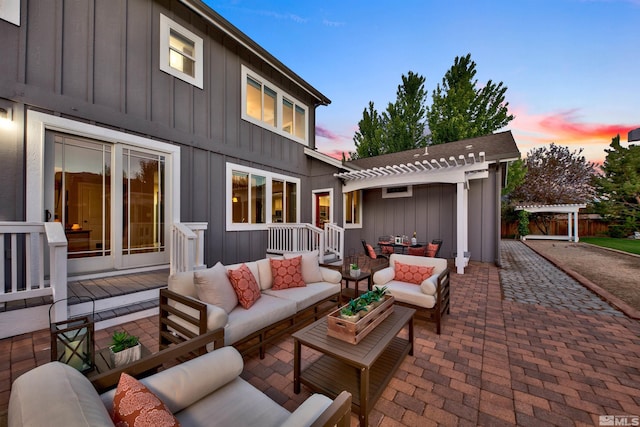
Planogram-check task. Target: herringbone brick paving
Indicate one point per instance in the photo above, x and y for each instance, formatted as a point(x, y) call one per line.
point(497, 362)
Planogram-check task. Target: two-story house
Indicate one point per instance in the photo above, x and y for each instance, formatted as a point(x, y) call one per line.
point(127, 125)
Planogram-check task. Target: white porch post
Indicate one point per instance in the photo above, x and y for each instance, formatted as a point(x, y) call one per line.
point(462, 239)
point(569, 226)
point(575, 224)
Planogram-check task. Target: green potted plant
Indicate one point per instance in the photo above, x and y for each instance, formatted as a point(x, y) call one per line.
point(351, 311)
point(354, 270)
point(124, 348)
point(368, 300)
point(378, 294)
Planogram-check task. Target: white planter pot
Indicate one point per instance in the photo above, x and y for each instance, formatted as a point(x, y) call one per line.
point(126, 356)
point(354, 273)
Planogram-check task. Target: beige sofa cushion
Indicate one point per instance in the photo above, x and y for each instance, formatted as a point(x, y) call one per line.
point(265, 312)
point(310, 266)
point(213, 287)
point(183, 284)
point(306, 296)
point(238, 403)
point(68, 397)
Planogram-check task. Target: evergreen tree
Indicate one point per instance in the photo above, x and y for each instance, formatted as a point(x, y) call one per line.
point(461, 109)
point(369, 136)
point(619, 188)
point(405, 119)
point(401, 127)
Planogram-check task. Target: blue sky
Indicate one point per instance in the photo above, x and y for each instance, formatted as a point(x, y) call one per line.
point(572, 67)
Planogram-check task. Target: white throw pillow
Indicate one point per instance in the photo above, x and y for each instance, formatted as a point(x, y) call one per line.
point(213, 287)
point(311, 272)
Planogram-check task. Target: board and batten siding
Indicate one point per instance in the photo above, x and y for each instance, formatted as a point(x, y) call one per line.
point(431, 213)
point(97, 62)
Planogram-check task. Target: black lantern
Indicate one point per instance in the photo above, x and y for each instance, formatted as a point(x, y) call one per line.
point(72, 341)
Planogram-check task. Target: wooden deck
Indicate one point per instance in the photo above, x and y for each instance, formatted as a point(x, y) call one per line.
point(104, 288)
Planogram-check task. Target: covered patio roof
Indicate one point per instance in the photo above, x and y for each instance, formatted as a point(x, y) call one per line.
point(452, 163)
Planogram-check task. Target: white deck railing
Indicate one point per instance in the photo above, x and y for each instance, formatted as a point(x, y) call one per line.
point(284, 238)
point(188, 246)
point(334, 239)
point(23, 274)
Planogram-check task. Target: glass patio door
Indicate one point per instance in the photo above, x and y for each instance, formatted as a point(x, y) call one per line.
point(110, 199)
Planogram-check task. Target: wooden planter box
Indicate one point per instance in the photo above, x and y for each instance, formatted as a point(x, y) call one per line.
point(352, 332)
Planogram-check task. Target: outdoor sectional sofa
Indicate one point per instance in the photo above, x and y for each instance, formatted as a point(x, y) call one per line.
point(183, 315)
point(430, 297)
point(196, 394)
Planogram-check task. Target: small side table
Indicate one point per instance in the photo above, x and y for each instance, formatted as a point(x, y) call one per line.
point(346, 293)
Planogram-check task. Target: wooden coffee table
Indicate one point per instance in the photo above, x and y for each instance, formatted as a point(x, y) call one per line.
point(363, 369)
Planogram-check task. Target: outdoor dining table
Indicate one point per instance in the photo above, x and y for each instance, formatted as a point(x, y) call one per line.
point(398, 247)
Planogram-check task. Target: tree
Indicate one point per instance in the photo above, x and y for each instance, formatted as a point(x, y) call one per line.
point(555, 175)
point(401, 127)
point(405, 120)
point(619, 188)
point(461, 109)
point(369, 136)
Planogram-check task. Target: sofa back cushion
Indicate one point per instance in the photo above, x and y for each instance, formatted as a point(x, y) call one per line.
point(410, 273)
point(134, 404)
point(68, 397)
point(182, 283)
point(182, 385)
point(310, 266)
point(213, 287)
point(245, 285)
point(287, 273)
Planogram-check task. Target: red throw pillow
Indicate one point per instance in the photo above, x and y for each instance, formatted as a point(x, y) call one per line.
point(419, 251)
point(134, 404)
point(411, 273)
point(387, 249)
point(287, 273)
point(245, 285)
point(371, 252)
point(432, 248)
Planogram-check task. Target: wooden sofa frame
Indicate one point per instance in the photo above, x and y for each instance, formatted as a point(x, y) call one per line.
point(255, 341)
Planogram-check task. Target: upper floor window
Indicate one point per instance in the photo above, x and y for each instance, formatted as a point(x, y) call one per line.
point(181, 52)
point(256, 197)
point(265, 105)
point(353, 209)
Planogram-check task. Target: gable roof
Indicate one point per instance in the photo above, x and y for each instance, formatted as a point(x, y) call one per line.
point(230, 30)
point(497, 147)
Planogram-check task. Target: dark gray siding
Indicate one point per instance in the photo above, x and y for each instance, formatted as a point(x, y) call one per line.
point(12, 168)
point(97, 61)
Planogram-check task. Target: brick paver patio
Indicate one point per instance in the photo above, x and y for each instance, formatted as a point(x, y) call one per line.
point(498, 361)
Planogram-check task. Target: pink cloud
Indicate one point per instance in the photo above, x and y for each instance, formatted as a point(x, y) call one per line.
point(326, 133)
point(567, 129)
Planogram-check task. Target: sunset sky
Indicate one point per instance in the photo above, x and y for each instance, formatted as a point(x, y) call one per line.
point(572, 67)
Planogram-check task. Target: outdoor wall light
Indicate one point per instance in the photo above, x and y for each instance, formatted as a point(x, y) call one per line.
point(5, 113)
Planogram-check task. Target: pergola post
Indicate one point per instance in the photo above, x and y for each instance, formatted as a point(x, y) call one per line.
point(575, 224)
point(570, 226)
point(462, 227)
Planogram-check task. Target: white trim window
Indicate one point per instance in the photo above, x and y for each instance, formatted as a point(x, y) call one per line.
point(181, 52)
point(266, 105)
point(255, 198)
point(353, 209)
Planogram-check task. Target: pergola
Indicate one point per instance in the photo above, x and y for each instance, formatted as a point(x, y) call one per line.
point(455, 170)
point(572, 213)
